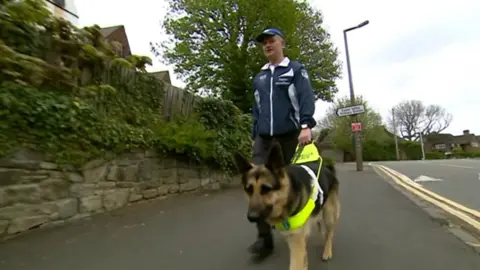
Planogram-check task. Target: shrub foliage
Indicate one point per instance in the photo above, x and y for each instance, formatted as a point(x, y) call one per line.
point(67, 92)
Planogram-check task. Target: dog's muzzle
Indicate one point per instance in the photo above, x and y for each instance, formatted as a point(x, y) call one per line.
point(255, 214)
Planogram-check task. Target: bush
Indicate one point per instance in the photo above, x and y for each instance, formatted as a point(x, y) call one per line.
point(462, 154)
point(328, 161)
point(232, 129)
point(72, 130)
point(70, 95)
point(412, 150)
point(378, 150)
point(434, 155)
point(385, 150)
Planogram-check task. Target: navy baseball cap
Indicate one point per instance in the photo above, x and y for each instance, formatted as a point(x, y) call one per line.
point(269, 32)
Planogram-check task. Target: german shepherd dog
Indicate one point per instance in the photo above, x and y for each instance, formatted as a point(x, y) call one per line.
point(276, 191)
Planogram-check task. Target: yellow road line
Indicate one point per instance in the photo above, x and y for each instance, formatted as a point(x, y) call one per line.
point(429, 199)
point(473, 244)
point(433, 194)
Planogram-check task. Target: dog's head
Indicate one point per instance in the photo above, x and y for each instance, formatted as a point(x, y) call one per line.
point(265, 186)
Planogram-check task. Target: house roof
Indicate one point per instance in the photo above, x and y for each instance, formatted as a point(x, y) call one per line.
point(465, 139)
point(163, 75)
point(438, 138)
point(447, 138)
point(117, 33)
point(107, 31)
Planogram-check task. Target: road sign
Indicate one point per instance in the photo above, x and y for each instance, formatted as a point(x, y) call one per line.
point(356, 127)
point(352, 110)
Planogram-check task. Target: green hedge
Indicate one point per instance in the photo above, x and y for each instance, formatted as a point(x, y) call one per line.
point(232, 129)
point(385, 150)
point(66, 92)
point(466, 154)
point(434, 155)
point(328, 161)
point(455, 154)
point(378, 150)
point(72, 130)
point(412, 150)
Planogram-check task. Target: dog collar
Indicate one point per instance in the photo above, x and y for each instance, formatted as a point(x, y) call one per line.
point(309, 153)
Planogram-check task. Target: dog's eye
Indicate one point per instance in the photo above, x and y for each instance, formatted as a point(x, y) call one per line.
point(249, 189)
point(264, 189)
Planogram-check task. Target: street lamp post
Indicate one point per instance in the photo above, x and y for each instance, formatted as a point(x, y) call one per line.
point(421, 144)
point(357, 135)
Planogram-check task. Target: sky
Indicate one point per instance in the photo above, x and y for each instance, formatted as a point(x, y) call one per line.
point(412, 49)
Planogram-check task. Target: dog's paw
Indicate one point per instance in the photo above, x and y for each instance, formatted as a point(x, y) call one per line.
point(326, 255)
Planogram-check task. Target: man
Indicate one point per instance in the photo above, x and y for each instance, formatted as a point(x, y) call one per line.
point(283, 111)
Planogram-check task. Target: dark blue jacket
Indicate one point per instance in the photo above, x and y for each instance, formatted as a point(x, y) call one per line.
point(283, 100)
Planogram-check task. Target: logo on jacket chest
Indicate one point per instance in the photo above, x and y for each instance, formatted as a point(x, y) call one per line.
point(283, 81)
point(285, 78)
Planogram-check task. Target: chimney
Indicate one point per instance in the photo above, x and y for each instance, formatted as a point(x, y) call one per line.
point(466, 132)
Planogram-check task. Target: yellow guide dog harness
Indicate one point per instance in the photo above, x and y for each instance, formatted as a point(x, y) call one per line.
point(305, 154)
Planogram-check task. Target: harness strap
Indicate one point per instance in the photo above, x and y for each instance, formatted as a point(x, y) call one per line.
point(317, 192)
point(311, 155)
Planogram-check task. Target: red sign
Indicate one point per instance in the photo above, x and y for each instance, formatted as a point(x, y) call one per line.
point(356, 127)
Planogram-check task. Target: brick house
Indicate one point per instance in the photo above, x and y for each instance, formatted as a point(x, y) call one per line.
point(163, 75)
point(468, 142)
point(65, 9)
point(445, 142)
point(117, 33)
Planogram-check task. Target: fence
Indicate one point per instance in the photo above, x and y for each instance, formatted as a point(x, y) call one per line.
point(178, 102)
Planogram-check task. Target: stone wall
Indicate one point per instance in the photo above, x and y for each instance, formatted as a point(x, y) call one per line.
point(36, 193)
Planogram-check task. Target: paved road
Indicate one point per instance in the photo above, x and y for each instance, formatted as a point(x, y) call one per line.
point(379, 229)
point(460, 178)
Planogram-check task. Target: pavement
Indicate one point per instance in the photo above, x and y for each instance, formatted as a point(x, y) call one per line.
point(454, 179)
point(379, 229)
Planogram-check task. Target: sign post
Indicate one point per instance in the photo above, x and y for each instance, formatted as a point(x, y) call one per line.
point(351, 110)
point(354, 111)
point(356, 127)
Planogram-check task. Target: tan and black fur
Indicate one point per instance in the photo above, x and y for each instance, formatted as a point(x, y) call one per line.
point(276, 191)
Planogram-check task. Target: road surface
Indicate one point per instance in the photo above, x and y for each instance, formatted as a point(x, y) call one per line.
point(460, 178)
point(379, 229)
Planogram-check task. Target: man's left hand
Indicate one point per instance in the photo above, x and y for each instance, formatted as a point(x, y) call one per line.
point(305, 136)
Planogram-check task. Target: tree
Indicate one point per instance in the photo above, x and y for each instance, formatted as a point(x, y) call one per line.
point(412, 117)
point(372, 128)
point(212, 45)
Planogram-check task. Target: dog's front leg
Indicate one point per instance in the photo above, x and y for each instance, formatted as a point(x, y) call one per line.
point(297, 243)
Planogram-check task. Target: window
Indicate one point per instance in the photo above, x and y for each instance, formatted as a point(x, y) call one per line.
point(440, 146)
point(60, 3)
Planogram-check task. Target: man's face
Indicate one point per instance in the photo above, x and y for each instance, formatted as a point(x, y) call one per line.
point(272, 45)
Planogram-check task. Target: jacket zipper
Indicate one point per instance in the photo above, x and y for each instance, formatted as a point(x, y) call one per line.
point(271, 102)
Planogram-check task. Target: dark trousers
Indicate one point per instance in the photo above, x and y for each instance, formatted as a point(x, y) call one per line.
point(261, 146)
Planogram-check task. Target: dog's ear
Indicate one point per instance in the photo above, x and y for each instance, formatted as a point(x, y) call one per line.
point(243, 165)
point(275, 159)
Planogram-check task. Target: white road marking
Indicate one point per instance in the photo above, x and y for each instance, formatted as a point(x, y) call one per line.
point(424, 178)
point(456, 166)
